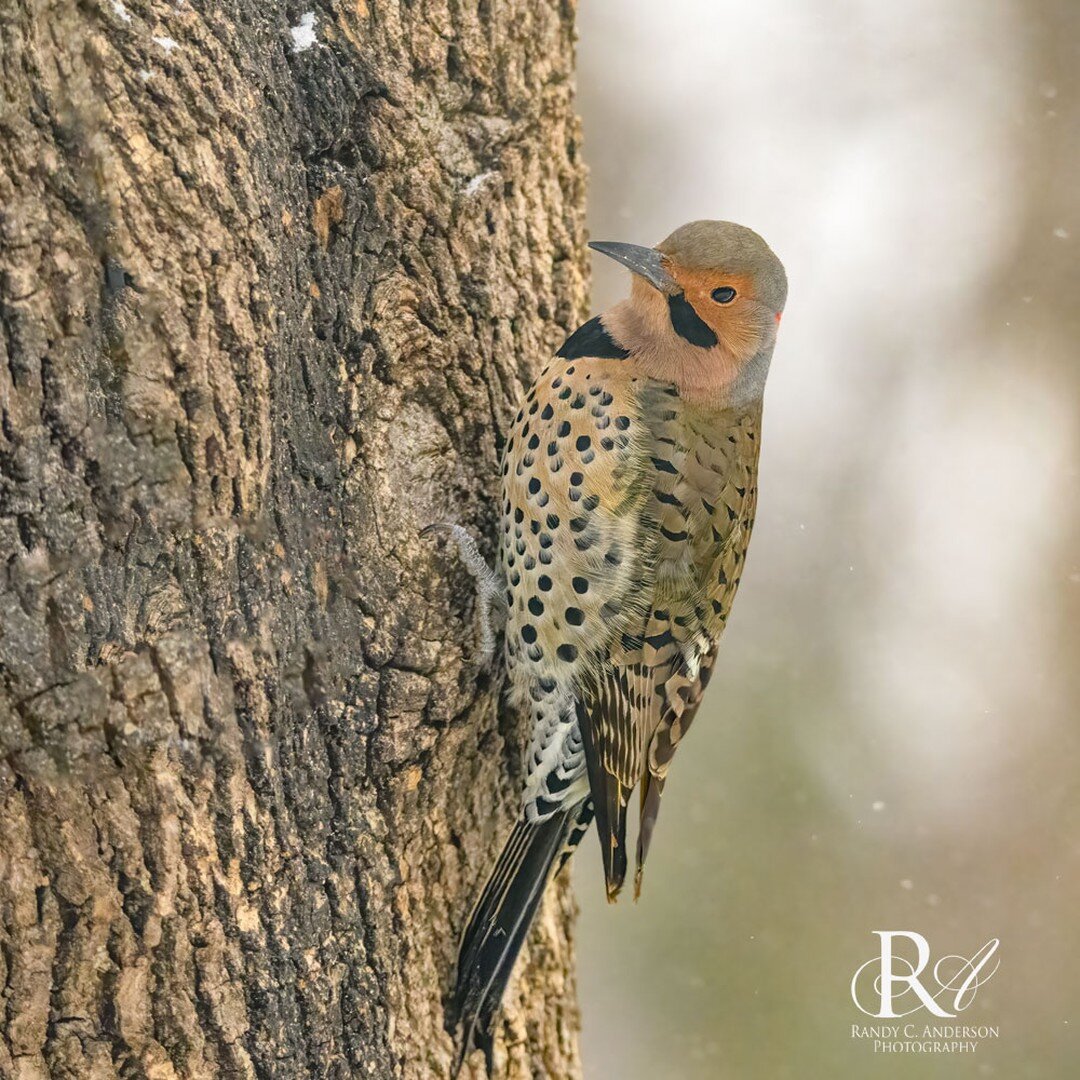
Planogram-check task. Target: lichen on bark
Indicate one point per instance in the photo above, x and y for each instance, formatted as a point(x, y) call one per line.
point(263, 312)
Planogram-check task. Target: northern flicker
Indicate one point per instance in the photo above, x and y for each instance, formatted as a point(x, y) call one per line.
point(629, 486)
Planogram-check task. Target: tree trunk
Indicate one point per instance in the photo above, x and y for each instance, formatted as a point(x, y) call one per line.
point(270, 285)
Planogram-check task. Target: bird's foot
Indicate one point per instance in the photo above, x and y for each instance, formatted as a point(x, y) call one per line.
point(489, 588)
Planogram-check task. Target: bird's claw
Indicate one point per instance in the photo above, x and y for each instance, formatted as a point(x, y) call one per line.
point(489, 588)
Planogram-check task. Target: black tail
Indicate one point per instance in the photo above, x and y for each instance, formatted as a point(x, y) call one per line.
point(501, 920)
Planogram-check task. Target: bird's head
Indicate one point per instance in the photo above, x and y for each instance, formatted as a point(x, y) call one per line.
point(707, 302)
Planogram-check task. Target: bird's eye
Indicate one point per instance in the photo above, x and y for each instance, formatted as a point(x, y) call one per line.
point(724, 295)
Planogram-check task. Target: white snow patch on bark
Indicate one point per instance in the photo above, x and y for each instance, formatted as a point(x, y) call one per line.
point(303, 34)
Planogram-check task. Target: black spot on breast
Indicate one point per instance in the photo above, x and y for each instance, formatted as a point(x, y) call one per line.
point(566, 652)
point(553, 521)
point(575, 616)
point(686, 322)
point(592, 340)
point(583, 442)
point(536, 605)
point(581, 585)
point(576, 478)
point(548, 413)
point(534, 486)
point(528, 633)
point(622, 422)
point(544, 582)
point(563, 429)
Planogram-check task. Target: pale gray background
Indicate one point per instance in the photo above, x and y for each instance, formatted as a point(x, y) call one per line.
point(891, 737)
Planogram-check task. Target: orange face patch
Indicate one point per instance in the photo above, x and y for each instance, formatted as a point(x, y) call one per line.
point(736, 323)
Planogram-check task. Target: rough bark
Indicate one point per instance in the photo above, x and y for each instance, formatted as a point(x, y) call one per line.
point(264, 309)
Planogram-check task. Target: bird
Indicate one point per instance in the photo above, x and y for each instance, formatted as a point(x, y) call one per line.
point(629, 491)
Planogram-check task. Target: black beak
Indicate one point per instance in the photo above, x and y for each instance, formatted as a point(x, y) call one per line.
point(641, 260)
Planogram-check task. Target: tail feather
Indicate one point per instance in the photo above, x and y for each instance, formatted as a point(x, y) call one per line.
point(580, 821)
point(501, 919)
point(652, 787)
point(610, 798)
point(611, 801)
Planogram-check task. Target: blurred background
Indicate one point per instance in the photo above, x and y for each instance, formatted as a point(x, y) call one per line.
point(891, 739)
